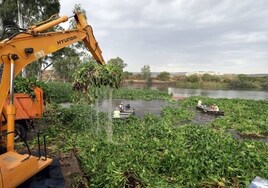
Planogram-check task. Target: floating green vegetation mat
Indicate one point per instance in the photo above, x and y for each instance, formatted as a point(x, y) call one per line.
point(160, 156)
point(248, 117)
point(27, 85)
point(145, 94)
point(157, 152)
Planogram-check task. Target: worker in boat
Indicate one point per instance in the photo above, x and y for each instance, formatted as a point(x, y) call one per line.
point(216, 108)
point(121, 107)
point(116, 113)
point(127, 107)
point(199, 103)
point(212, 107)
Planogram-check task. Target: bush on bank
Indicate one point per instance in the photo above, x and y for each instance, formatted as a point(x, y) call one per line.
point(59, 92)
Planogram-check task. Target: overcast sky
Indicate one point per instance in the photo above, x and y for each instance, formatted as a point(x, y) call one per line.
point(228, 36)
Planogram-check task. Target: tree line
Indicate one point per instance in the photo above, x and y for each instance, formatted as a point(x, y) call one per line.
point(228, 81)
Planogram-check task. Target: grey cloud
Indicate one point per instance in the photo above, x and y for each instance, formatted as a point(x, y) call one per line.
point(224, 35)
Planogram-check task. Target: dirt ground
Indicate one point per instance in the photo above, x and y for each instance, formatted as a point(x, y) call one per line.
point(71, 171)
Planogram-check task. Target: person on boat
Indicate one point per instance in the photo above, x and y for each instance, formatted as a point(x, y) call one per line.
point(121, 107)
point(216, 108)
point(199, 103)
point(116, 113)
point(127, 107)
point(212, 107)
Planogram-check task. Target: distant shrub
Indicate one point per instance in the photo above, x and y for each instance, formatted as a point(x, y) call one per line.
point(163, 76)
point(237, 84)
point(265, 86)
point(193, 78)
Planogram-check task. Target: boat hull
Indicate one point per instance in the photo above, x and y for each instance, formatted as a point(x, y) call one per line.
point(209, 111)
point(125, 114)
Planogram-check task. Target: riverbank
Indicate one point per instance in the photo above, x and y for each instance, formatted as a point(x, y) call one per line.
point(208, 82)
point(165, 84)
point(181, 92)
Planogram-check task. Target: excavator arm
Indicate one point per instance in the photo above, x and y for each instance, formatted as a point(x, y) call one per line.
point(25, 48)
point(16, 53)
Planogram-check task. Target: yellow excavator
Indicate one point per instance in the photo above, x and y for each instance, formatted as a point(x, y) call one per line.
point(16, 52)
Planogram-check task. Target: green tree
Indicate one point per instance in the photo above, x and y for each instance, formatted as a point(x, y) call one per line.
point(73, 25)
point(193, 78)
point(65, 63)
point(210, 78)
point(146, 74)
point(117, 61)
point(127, 75)
point(32, 11)
point(1, 20)
point(207, 77)
point(243, 77)
point(164, 76)
point(8, 13)
point(77, 8)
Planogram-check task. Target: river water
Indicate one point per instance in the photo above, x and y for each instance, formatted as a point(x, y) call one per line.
point(182, 93)
point(155, 106)
point(255, 95)
point(141, 107)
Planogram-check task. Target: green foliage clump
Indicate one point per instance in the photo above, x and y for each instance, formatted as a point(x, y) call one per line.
point(210, 78)
point(59, 92)
point(193, 78)
point(145, 94)
point(27, 85)
point(265, 85)
point(118, 62)
point(91, 76)
point(164, 76)
point(237, 84)
point(65, 62)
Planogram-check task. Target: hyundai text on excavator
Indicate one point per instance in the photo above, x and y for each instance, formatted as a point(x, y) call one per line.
point(16, 52)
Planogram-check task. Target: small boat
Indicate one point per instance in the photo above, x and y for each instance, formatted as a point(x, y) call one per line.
point(208, 110)
point(125, 113)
